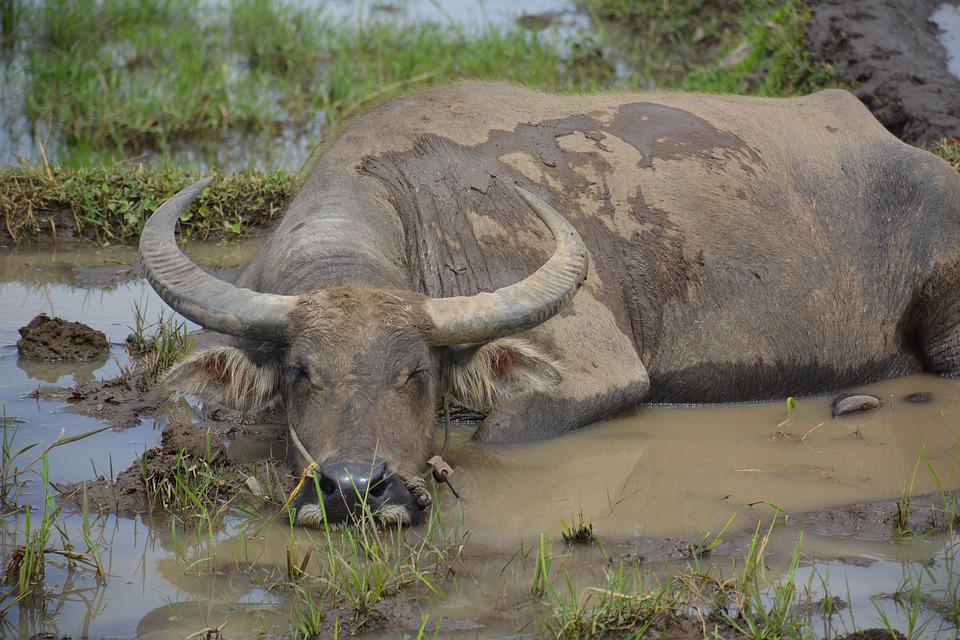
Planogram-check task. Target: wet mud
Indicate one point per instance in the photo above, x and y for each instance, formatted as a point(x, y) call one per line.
point(879, 520)
point(120, 402)
point(889, 52)
point(184, 445)
point(46, 338)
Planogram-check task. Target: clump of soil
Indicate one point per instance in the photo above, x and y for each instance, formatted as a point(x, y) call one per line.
point(878, 521)
point(194, 448)
point(119, 401)
point(874, 634)
point(919, 397)
point(889, 52)
point(46, 338)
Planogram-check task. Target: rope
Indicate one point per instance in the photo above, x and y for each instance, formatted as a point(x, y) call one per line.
point(439, 468)
point(303, 450)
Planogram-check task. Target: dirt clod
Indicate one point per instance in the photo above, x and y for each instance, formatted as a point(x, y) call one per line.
point(46, 338)
point(184, 447)
point(919, 397)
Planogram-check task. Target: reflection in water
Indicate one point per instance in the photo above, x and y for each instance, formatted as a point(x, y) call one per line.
point(53, 372)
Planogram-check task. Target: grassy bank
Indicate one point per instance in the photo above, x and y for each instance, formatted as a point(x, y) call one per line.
point(160, 71)
point(111, 204)
point(162, 74)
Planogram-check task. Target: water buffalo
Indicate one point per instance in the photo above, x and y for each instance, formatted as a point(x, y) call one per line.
point(728, 248)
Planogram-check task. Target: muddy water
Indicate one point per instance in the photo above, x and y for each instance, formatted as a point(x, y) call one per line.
point(664, 470)
point(654, 479)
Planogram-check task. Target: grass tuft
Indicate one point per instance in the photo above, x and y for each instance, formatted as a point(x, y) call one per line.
point(159, 345)
point(577, 533)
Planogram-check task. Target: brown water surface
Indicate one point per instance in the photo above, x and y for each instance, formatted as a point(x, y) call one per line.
point(667, 471)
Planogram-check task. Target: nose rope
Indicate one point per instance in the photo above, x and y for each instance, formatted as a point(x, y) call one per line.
point(307, 472)
point(439, 467)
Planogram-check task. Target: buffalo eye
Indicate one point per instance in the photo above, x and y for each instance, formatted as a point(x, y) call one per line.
point(293, 374)
point(420, 376)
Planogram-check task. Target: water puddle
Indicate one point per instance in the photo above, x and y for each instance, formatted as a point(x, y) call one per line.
point(655, 479)
point(947, 19)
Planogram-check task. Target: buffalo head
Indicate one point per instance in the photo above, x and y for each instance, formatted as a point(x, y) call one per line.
point(359, 370)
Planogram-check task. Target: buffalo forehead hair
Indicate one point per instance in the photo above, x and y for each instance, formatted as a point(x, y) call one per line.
point(325, 312)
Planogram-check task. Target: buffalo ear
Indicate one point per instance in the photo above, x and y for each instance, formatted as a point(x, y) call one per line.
point(479, 376)
point(229, 376)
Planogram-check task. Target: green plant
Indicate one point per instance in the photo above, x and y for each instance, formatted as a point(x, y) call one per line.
point(903, 503)
point(705, 542)
point(775, 59)
point(11, 471)
point(9, 21)
point(26, 566)
point(582, 533)
point(158, 345)
point(93, 549)
point(763, 614)
point(541, 568)
point(308, 614)
point(910, 600)
point(189, 485)
point(791, 406)
point(364, 562)
point(625, 603)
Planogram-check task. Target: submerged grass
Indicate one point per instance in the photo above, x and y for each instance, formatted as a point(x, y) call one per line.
point(111, 204)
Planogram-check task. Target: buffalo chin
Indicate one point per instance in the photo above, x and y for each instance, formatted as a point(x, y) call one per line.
point(389, 515)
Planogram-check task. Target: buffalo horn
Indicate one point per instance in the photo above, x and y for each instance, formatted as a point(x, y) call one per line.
point(195, 294)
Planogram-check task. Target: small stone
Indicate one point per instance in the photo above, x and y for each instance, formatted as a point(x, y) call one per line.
point(854, 404)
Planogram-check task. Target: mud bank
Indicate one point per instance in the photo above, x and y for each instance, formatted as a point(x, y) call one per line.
point(183, 449)
point(889, 52)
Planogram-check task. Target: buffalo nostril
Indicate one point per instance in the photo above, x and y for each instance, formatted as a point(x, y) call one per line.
point(379, 481)
point(378, 488)
point(327, 485)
